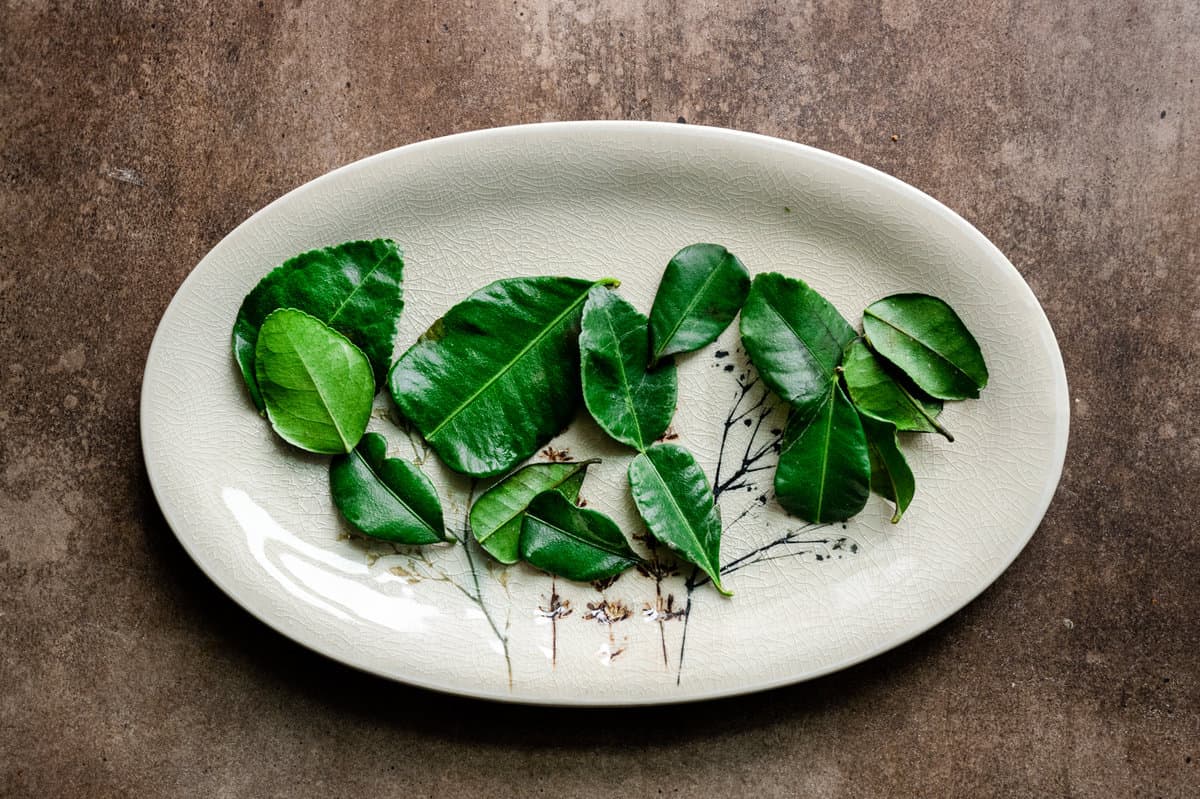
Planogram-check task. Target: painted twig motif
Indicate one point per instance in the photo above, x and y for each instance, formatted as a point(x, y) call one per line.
point(751, 437)
point(469, 544)
point(759, 406)
point(608, 612)
point(659, 566)
point(557, 608)
point(756, 408)
point(419, 567)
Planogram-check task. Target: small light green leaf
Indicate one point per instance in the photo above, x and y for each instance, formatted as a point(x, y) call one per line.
point(676, 502)
point(498, 375)
point(355, 288)
point(924, 337)
point(630, 401)
point(890, 476)
point(495, 517)
point(384, 497)
point(701, 291)
point(877, 392)
point(316, 385)
point(824, 471)
point(574, 543)
point(795, 339)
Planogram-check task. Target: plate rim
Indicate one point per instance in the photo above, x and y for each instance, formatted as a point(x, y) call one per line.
point(923, 624)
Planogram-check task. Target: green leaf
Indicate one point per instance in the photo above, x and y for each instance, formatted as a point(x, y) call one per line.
point(674, 499)
point(795, 339)
point(498, 375)
point(890, 476)
point(877, 392)
point(384, 497)
point(495, 517)
point(574, 543)
point(316, 385)
point(824, 471)
point(924, 337)
point(630, 401)
point(355, 288)
point(701, 291)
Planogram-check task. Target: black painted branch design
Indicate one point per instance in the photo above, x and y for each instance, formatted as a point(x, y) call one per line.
point(754, 407)
point(754, 415)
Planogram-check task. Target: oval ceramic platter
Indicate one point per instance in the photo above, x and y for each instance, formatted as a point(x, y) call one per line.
point(593, 200)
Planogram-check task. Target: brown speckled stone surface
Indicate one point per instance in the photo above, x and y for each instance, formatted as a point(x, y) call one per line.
point(134, 136)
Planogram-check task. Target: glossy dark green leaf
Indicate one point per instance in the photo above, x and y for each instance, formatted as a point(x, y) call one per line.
point(824, 472)
point(795, 339)
point(890, 476)
point(496, 516)
point(701, 291)
point(316, 385)
point(676, 502)
point(876, 391)
point(384, 497)
point(355, 288)
point(630, 401)
point(498, 375)
point(574, 543)
point(925, 338)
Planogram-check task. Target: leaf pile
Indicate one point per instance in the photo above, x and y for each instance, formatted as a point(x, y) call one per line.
point(506, 369)
point(850, 394)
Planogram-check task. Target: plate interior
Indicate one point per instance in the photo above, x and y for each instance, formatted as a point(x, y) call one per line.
point(612, 200)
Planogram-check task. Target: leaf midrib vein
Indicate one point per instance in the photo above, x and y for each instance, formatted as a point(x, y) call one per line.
point(825, 454)
point(554, 487)
point(513, 361)
point(787, 323)
point(922, 345)
point(603, 546)
point(689, 307)
point(362, 282)
point(628, 389)
point(679, 510)
point(412, 511)
point(312, 378)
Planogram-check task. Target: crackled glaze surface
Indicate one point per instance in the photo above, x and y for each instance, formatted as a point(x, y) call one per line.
point(592, 200)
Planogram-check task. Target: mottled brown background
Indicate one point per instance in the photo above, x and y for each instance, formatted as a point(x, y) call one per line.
point(133, 136)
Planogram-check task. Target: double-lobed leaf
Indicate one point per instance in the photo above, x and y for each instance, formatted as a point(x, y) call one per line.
point(702, 289)
point(824, 471)
point(676, 502)
point(794, 338)
point(316, 385)
point(495, 517)
point(575, 543)
point(498, 375)
point(925, 338)
point(891, 477)
point(631, 401)
point(355, 288)
point(384, 497)
point(877, 392)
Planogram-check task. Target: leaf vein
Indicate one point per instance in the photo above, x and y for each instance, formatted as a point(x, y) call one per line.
point(362, 281)
point(508, 366)
point(924, 346)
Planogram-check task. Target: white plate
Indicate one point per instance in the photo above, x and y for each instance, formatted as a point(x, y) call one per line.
point(592, 200)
